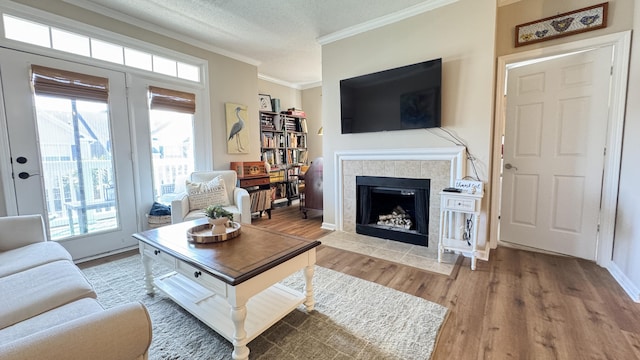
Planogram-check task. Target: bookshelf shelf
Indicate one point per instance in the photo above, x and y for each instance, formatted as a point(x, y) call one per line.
point(283, 144)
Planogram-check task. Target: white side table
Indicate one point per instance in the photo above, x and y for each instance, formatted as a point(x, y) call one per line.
point(459, 215)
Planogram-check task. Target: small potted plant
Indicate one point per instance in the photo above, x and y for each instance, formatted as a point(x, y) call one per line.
point(218, 218)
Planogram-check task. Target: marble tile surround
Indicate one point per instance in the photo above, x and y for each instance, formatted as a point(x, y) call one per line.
point(438, 171)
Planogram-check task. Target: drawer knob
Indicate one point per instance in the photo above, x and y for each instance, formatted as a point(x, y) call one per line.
point(197, 274)
point(156, 252)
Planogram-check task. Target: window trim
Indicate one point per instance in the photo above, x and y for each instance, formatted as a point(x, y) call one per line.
point(66, 24)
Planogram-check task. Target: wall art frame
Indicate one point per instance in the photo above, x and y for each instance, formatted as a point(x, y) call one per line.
point(264, 102)
point(237, 134)
point(569, 23)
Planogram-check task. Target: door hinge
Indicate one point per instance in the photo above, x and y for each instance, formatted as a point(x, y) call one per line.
point(598, 228)
point(605, 152)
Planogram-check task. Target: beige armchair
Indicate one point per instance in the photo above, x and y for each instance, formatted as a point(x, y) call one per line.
point(239, 202)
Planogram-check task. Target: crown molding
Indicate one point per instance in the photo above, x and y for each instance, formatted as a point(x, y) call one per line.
point(310, 85)
point(506, 2)
point(278, 81)
point(99, 9)
point(300, 86)
point(384, 20)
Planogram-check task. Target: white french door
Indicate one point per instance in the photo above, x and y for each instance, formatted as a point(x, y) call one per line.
point(70, 158)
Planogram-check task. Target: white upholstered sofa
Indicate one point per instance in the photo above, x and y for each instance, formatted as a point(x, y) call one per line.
point(182, 209)
point(48, 309)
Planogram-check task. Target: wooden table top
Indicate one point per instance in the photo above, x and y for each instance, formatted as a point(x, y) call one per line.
point(233, 261)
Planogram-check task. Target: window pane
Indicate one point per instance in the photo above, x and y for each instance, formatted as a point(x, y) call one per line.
point(26, 31)
point(137, 59)
point(106, 51)
point(70, 42)
point(164, 66)
point(172, 150)
point(75, 146)
point(188, 72)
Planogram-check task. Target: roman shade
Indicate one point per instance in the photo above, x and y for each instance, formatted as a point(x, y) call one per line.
point(62, 83)
point(172, 100)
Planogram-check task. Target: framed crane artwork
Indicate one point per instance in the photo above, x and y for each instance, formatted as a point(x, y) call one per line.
point(237, 134)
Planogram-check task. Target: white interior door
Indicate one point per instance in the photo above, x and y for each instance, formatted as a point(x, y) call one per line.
point(554, 143)
point(71, 159)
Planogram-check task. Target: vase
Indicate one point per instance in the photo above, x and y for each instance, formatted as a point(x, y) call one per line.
point(219, 225)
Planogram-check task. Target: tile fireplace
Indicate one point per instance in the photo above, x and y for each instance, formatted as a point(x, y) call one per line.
point(441, 166)
point(393, 208)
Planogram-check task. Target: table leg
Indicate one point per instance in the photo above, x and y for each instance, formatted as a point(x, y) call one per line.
point(309, 301)
point(148, 274)
point(240, 349)
point(441, 237)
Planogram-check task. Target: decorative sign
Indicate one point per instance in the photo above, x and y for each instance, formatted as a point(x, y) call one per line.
point(470, 186)
point(573, 22)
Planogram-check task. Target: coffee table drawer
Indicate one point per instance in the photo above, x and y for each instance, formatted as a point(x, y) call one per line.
point(202, 278)
point(157, 254)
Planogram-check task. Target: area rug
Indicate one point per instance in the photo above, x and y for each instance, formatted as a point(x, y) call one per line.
point(421, 257)
point(353, 319)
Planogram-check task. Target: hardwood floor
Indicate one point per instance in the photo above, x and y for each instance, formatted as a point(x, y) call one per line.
point(518, 305)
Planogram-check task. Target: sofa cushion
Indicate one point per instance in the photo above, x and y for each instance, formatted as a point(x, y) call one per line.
point(21, 230)
point(121, 332)
point(30, 256)
point(40, 289)
point(51, 318)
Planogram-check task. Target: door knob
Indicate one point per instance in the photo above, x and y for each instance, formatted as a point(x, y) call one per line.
point(25, 175)
point(509, 166)
point(21, 160)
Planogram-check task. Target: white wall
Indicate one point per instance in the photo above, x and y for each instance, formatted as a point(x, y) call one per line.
point(312, 105)
point(462, 34)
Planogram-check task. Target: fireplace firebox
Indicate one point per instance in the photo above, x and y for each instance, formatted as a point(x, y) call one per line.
point(393, 208)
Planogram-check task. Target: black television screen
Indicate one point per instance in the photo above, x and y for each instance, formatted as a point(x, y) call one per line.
point(403, 98)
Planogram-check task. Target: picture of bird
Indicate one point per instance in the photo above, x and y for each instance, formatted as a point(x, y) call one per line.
point(236, 139)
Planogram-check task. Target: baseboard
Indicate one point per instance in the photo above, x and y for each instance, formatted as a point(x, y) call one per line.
point(328, 226)
point(629, 287)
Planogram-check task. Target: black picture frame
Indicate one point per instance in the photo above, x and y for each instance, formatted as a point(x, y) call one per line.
point(264, 102)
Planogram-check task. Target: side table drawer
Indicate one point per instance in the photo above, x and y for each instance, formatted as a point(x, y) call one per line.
point(254, 182)
point(202, 278)
point(452, 203)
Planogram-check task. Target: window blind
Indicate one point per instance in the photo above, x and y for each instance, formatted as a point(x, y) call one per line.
point(172, 100)
point(62, 83)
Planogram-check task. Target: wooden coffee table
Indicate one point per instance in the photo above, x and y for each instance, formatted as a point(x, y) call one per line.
point(231, 286)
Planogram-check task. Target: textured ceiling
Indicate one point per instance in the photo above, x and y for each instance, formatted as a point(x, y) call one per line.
point(279, 36)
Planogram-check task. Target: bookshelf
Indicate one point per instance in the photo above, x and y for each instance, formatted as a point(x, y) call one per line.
point(283, 144)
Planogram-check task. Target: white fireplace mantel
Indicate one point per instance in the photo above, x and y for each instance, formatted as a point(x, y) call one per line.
point(455, 154)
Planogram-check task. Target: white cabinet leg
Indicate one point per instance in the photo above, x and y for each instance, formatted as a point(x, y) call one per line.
point(240, 349)
point(309, 301)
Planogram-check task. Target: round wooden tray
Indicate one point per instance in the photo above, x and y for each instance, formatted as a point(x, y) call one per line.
point(202, 233)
